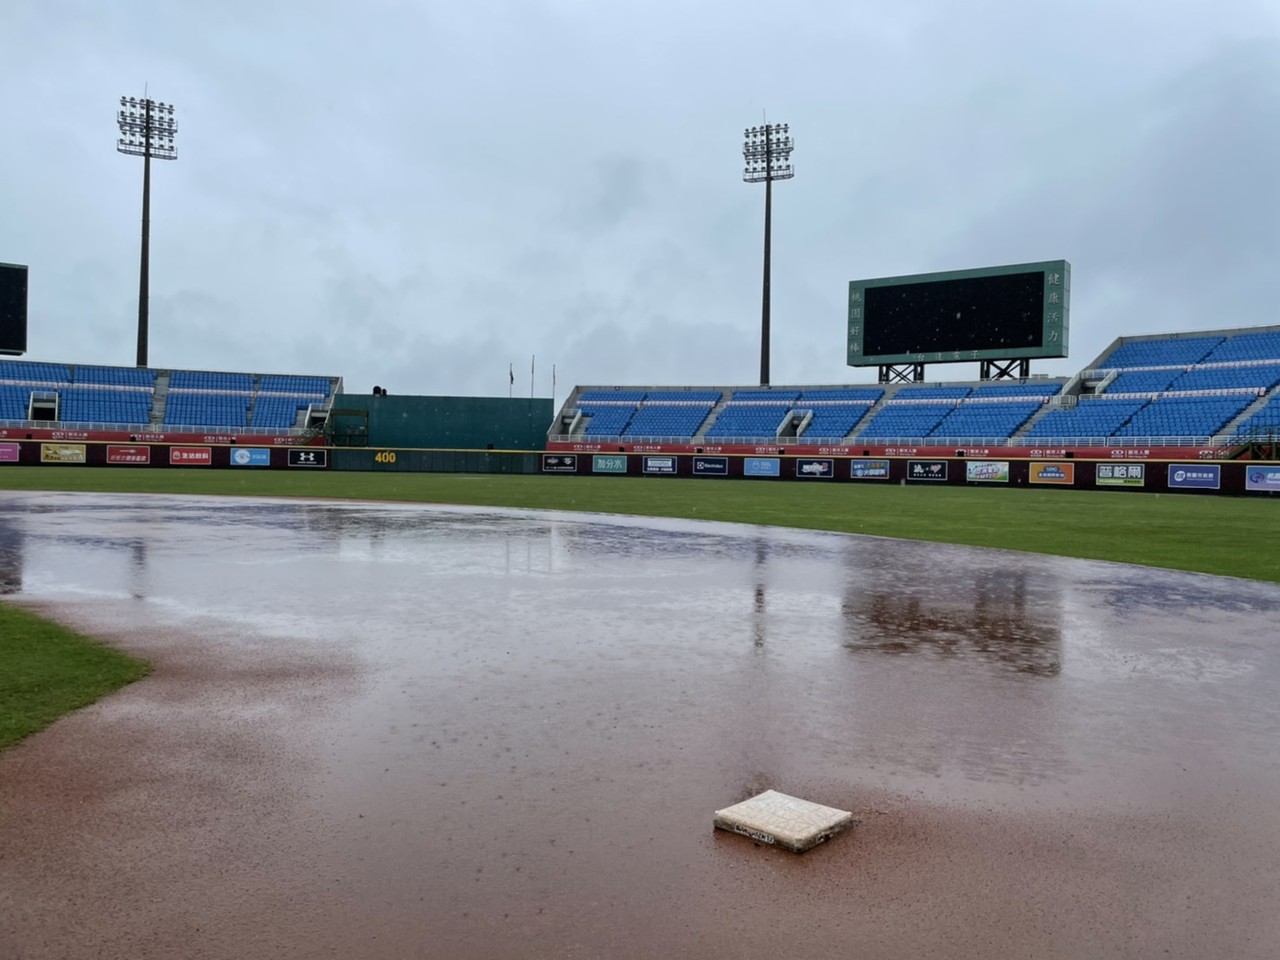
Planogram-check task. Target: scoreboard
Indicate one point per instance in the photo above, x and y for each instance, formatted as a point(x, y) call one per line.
point(993, 313)
point(13, 309)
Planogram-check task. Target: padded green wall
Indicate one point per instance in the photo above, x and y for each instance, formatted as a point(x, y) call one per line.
point(453, 423)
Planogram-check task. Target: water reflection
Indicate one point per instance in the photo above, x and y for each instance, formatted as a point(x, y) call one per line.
point(11, 544)
point(1007, 613)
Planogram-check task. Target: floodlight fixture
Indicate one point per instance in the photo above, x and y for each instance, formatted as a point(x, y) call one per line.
point(147, 130)
point(766, 152)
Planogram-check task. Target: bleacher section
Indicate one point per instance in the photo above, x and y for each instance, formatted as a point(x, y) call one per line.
point(905, 420)
point(1090, 419)
point(106, 397)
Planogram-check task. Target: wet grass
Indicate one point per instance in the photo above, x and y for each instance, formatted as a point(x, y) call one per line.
point(1232, 536)
point(47, 670)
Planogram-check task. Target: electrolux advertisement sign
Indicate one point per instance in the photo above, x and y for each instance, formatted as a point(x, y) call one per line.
point(710, 466)
point(1120, 475)
point(1063, 473)
point(136, 455)
point(869, 469)
point(812, 468)
point(1262, 478)
point(559, 463)
point(608, 463)
point(9, 452)
point(1194, 476)
point(250, 457)
point(986, 471)
point(933, 470)
point(659, 465)
point(761, 467)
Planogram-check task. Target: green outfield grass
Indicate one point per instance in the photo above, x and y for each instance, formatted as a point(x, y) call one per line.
point(1233, 536)
point(47, 670)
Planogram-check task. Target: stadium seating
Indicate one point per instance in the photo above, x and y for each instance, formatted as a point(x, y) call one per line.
point(1090, 418)
point(898, 420)
point(750, 418)
point(1161, 352)
point(1246, 346)
point(607, 420)
point(1184, 416)
point(987, 421)
point(1257, 377)
point(1143, 381)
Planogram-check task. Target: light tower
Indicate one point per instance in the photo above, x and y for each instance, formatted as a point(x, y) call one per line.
point(767, 154)
point(147, 129)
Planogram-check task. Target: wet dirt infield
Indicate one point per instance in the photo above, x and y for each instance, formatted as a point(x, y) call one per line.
point(401, 731)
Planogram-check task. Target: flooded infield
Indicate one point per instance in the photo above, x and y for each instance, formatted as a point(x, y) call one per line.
point(388, 731)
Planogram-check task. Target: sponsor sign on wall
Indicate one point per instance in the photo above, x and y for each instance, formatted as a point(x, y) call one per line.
point(137, 455)
point(1064, 473)
point(1194, 476)
point(869, 469)
point(710, 466)
point(1120, 475)
point(608, 463)
point(815, 469)
point(761, 467)
point(1262, 478)
point(309, 457)
point(62, 453)
point(190, 456)
point(665, 465)
point(9, 452)
point(935, 470)
point(250, 457)
point(986, 471)
point(559, 463)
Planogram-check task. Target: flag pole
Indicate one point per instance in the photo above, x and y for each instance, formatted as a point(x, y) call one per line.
point(511, 379)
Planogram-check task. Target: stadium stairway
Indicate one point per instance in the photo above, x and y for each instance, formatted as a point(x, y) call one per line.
point(712, 417)
point(870, 415)
point(160, 399)
point(1229, 430)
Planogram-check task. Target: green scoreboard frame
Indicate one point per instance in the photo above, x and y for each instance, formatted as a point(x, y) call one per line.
point(1054, 277)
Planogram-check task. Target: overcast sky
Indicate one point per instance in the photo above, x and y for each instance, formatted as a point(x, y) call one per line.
point(416, 194)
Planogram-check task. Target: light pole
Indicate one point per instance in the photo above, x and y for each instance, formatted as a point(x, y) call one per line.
point(147, 129)
point(767, 154)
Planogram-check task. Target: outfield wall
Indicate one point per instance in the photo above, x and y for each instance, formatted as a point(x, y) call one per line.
point(1135, 475)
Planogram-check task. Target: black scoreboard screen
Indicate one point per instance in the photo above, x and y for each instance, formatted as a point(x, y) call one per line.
point(994, 313)
point(13, 309)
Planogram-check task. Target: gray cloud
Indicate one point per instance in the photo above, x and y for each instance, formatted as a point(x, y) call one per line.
point(416, 195)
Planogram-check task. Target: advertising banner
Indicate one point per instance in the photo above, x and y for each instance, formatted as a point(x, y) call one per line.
point(761, 467)
point(935, 470)
point(986, 471)
point(609, 463)
point(1063, 473)
point(9, 452)
point(815, 469)
point(250, 457)
point(309, 457)
point(665, 465)
point(1194, 476)
point(1262, 478)
point(190, 456)
point(136, 455)
point(559, 463)
point(62, 453)
point(710, 466)
point(1120, 475)
point(869, 469)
